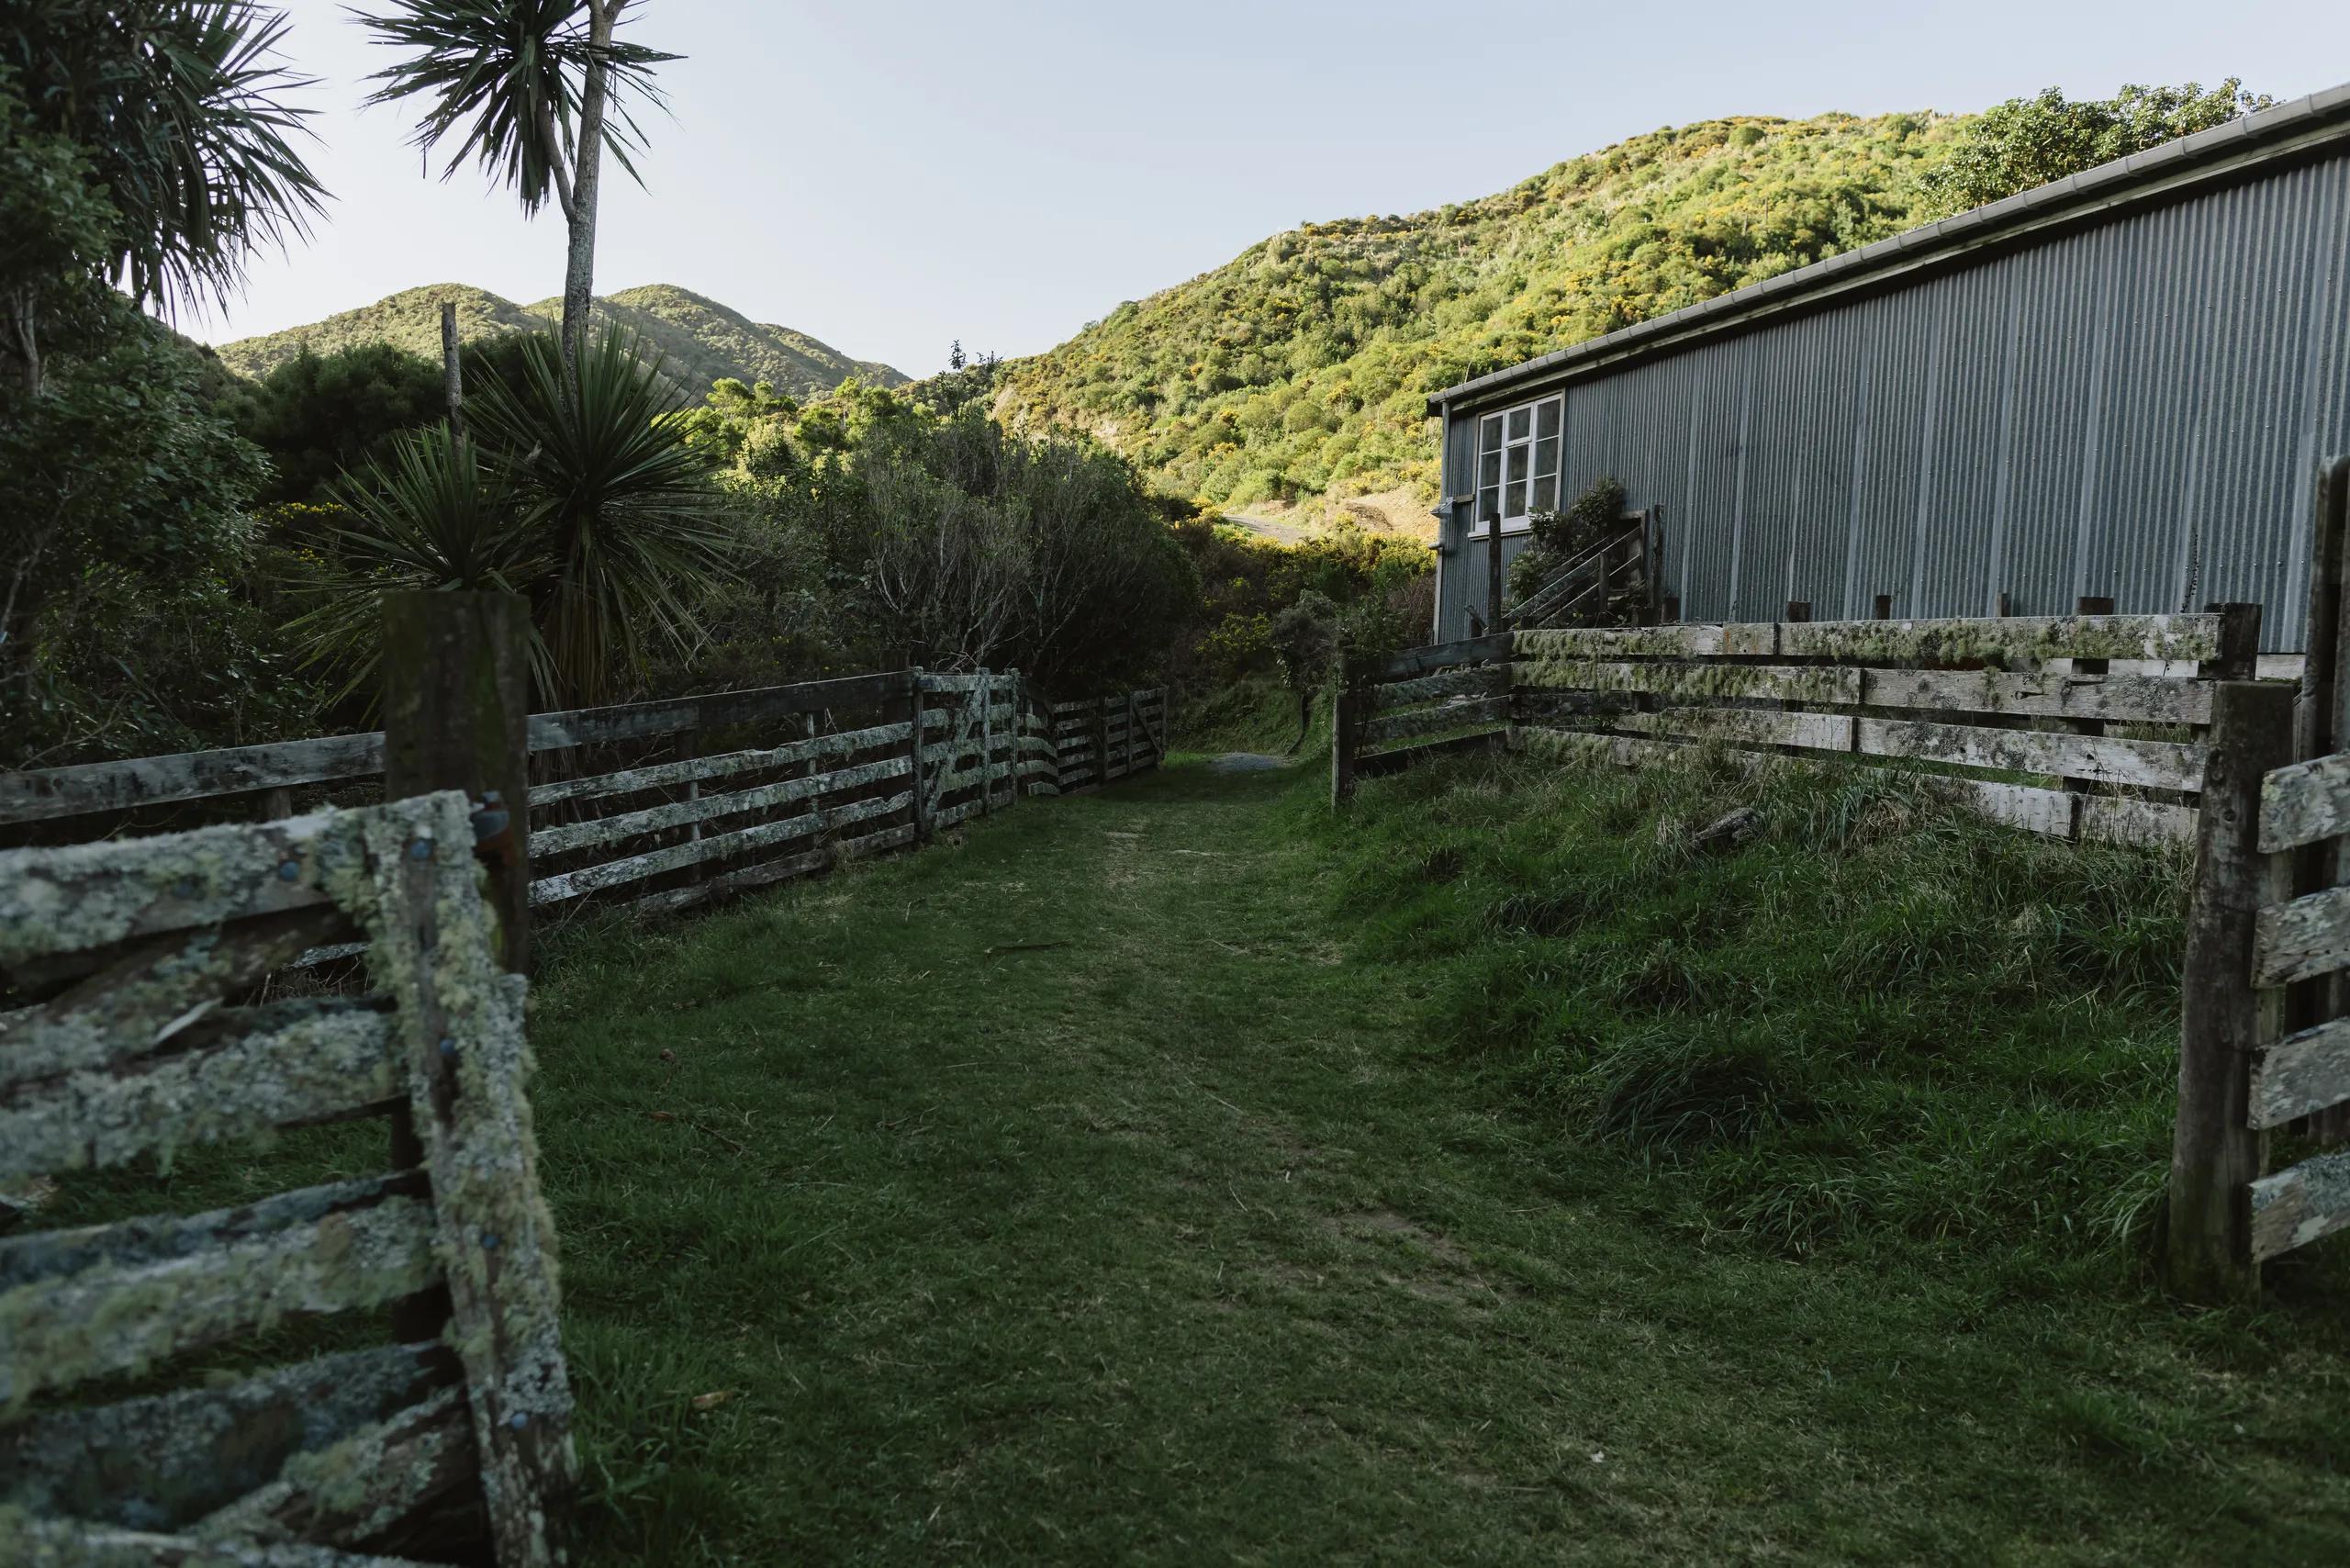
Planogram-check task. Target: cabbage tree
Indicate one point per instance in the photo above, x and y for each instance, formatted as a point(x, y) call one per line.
point(534, 91)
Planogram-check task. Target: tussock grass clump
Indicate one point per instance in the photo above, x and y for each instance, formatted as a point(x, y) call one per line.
point(1881, 1020)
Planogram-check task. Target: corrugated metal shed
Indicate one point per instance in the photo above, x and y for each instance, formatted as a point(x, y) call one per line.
point(2117, 385)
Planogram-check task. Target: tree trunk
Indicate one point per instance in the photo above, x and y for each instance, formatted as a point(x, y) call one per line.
point(579, 272)
point(23, 305)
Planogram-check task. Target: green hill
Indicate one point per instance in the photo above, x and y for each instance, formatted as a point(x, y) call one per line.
point(1298, 372)
point(700, 341)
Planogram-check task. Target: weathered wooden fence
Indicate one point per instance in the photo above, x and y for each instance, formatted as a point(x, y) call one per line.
point(136, 961)
point(1107, 738)
point(667, 804)
point(2030, 718)
point(2125, 727)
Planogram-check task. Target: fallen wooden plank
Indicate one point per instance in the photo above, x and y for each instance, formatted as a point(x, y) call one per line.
point(570, 836)
point(2305, 802)
point(725, 765)
point(2164, 765)
point(38, 794)
point(2303, 1072)
point(2011, 642)
point(717, 846)
point(2303, 939)
point(163, 1460)
point(285, 1065)
point(2295, 1207)
point(166, 1285)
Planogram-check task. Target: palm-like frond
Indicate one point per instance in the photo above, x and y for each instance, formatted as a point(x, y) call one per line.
point(619, 506)
point(181, 106)
point(505, 78)
point(427, 517)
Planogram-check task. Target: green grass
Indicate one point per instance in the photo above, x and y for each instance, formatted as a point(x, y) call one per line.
point(1176, 1175)
point(1256, 713)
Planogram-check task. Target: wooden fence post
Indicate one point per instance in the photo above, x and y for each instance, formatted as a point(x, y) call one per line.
point(2215, 1154)
point(2239, 642)
point(1653, 558)
point(456, 691)
point(456, 716)
point(987, 742)
point(914, 749)
point(1496, 616)
point(2323, 725)
point(1100, 743)
point(1019, 736)
point(1345, 725)
point(453, 375)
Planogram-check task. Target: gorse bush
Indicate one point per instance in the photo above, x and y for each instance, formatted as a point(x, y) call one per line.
point(1884, 1022)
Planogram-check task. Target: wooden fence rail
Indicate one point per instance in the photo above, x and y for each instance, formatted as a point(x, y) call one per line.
point(2021, 714)
point(134, 961)
point(672, 803)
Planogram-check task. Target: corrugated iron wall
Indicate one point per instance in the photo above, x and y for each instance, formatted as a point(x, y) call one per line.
point(2134, 410)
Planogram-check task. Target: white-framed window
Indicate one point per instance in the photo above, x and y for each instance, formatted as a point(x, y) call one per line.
point(1517, 465)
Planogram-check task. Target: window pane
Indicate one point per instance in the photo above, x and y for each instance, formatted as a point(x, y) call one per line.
point(1517, 463)
point(1489, 435)
point(1489, 468)
point(1489, 504)
point(1546, 493)
point(1513, 499)
point(1546, 419)
point(1519, 419)
point(1545, 459)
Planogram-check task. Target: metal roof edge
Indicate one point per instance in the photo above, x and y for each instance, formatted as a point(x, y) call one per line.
point(2246, 140)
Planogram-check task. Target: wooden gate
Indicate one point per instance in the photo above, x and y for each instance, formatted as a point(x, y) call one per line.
point(2264, 1048)
point(135, 959)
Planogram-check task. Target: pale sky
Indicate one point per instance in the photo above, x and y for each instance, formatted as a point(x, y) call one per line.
point(890, 177)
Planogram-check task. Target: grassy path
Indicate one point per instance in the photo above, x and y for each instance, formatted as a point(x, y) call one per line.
point(1072, 1196)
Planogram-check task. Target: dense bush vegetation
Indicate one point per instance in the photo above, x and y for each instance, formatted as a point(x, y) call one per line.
point(144, 146)
point(876, 530)
point(698, 339)
point(1300, 370)
point(2026, 142)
